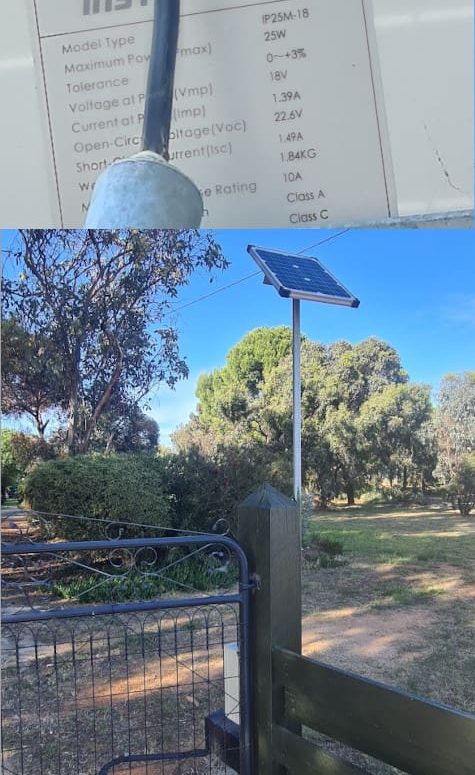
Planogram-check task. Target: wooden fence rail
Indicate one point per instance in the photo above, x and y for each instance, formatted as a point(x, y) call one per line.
point(417, 736)
point(290, 691)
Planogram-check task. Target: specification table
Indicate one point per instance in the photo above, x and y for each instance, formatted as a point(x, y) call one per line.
point(277, 115)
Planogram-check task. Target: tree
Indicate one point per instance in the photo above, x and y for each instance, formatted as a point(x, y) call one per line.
point(336, 382)
point(126, 429)
point(393, 426)
point(346, 448)
point(455, 422)
point(353, 373)
point(19, 452)
point(28, 450)
point(31, 370)
point(101, 298)
point(249, 401)
point(465, 484)
point(226, 394)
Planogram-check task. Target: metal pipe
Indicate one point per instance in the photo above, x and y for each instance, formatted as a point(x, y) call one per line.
point(86, 611)
point(131, 543)
point(297, 410)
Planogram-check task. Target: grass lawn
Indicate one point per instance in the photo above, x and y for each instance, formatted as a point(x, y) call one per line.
point(401, 607)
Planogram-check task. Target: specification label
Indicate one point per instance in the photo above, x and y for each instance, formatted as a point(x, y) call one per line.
point(275, 116)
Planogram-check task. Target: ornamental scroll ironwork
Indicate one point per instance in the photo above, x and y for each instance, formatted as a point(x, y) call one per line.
point(116, 571)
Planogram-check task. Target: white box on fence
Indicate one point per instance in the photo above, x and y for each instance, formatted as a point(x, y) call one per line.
point(231, 681)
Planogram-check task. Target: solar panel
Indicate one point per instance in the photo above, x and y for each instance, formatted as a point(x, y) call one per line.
point(301, 277)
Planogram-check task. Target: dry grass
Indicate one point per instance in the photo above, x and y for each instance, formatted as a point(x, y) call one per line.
point(401, 610)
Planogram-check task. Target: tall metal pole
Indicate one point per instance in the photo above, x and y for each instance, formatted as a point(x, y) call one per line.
point(297, 411)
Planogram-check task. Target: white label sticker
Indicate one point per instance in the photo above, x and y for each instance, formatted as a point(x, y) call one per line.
point(275, 115)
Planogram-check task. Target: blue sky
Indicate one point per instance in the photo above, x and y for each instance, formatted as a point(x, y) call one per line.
point(417, 291)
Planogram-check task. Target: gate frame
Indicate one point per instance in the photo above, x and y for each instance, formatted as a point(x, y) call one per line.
point(242, 598)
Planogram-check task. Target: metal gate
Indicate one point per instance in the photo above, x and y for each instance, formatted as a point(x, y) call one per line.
point(106, 688)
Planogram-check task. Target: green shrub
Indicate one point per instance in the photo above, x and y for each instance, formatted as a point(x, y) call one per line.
point(330, 561)
point(10, 470)
point(203, 490)
point(106, 487)
point(328, 545)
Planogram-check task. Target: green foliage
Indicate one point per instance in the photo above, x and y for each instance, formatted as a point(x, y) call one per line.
point(185, 491)
point(360, 418)
point(323, 552)
point(99, 298)
point(359, 371)
point(10, 470)
point(206, 488)
point(194, 573)
point(125, 428)
point(330, 561)
point(226, 394)
point(113, 488)
point(465, 484)
point(257, 354)
point(455, 423)
point(394, 428)
point(32, 374)
point(29, 449)
point(328, 545)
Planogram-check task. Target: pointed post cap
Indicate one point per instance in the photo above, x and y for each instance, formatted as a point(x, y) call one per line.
point(267, 497)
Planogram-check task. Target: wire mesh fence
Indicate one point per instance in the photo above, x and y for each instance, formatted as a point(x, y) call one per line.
point(118, 694)
point(124, 674)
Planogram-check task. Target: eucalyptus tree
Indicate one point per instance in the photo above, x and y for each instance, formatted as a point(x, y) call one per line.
point(32, 374)
point(103, 299)
point(455, 422)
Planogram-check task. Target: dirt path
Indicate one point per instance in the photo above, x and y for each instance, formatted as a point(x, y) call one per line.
point(422, 643)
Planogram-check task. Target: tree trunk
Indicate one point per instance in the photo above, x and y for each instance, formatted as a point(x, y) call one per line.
point(350, 494)
point(320, 502)
point(72, 441)
point(41, 427)
point(110, 442)
point(105, 398)
point(464, 507)
point(404, 478)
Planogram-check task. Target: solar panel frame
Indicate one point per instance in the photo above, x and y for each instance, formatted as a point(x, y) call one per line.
point(295, 293)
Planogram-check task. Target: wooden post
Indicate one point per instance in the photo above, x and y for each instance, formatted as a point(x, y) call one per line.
point(269, 533)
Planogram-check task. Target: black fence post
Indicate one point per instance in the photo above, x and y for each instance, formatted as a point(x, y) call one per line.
point(269, 533)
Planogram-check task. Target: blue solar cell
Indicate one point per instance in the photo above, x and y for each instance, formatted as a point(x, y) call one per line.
point(301, 277)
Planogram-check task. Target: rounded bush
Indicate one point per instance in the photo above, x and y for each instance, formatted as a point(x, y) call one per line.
point(114, 488)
